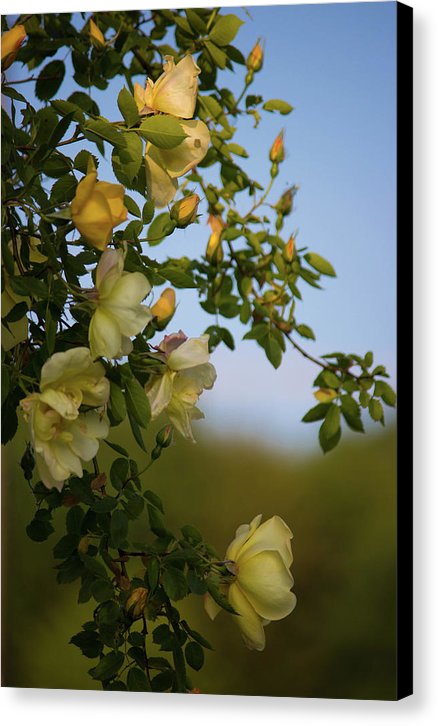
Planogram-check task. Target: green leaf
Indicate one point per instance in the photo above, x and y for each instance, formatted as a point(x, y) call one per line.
point(128, 107)
point(127, 159)
point(351, 413)
point(275, 104)
point(89, 643)
point(174, 583)
point(94, 566)
point(49, 80)
point(108, 666)
point(330, 430)
point(191, 534)
point(320, 264)
point(225, 29)
point(196, 636)
point(39, 529)
point(177, 277)
point(194, 656)
point(385, 392)
point(330, 379)
point(102, 590)
point(305, 331)
point(272, 349)
point(195, 21)
point(376, 409)
point(153, 573)
point(196, 585)
point(102, 129)
point(162, 226)
point(66, 546)
point(162, 131)
point(120, 450)
point(116, 405)
point(137, 402)
point(217, 54)
point(219, 597)
point(119, 528)
point(257, 332)
point(154, 499)
point(137, 681)
point(119, 473)
point(29, 286)
point(316, 413)
point(65, 108)
point(163, 681)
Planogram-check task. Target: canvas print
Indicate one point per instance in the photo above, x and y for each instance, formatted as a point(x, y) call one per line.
point(199, 354)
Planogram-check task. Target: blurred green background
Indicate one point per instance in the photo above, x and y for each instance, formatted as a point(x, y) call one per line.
point(340, 640)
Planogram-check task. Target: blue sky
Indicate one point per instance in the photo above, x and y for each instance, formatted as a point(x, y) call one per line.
point(336, 65)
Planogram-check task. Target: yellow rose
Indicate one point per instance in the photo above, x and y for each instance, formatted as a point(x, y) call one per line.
point(11, 42)
point(214, 252)
point(118, 312)
point(186, 375)
point(164, 308)
point(174, 92)
point(97, 208)
point(164, 166)
point(258, 560)
point(60, 445)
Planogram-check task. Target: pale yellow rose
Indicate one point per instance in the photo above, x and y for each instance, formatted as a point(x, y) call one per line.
point(186, 375)
point(97, 208)
point(174, 92)
point(11, 42)
point(258, 559)
point(71, 379)
point(164, 166)
point(60, 445)
point(118, 313)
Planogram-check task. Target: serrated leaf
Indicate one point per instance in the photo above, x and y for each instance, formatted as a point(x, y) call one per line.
point(194, 656)
point(116, 405)
point(330, 430)
point(127, 159)
point(119, 527)
point(162, 226)
point(108, 666)
point(128, 107)
point(49, 80)
point(376, 409)
point(89, 643)
point(316, 413)
point(103, 130)
point(225, 29)
point(217, 54)
point(320, 264)
point(137, 402)
point(385, 392)
point(137, 681)
point(174, 583)
point(178, 278)
point(162, 131)
point(351, 413)
point(276, 104)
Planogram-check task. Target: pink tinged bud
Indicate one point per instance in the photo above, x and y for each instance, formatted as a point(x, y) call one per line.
point(288, 251)
point(172, 342)
point(254, 61)
point(277, 152)
point(164, 437)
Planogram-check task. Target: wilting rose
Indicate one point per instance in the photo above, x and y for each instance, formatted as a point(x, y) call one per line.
point(11, 42)
point(164, 166)
point(186, 374)
point(97, 208)
point(258, 559)
point(174, 92)
point(118, 314)
point(136, 602)
point(60, 444)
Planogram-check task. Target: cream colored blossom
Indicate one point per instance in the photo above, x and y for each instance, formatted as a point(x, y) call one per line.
point(118, 313)
point(186, 374)
point(60, 445)
point(258, 559)
point(71, 379)
point(164, 166)
point(174, 92)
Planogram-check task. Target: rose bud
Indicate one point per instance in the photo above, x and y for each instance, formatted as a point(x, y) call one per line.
point(164, 308)
point(11, 42)
point(277, 154)
point(136, 602)
point(254, 61)
point(184, 212)
point(288, 251)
